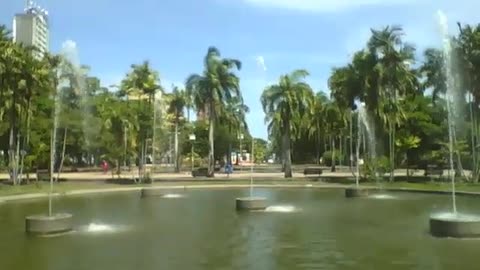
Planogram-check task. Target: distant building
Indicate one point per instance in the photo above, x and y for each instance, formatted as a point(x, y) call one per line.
point(31, 28)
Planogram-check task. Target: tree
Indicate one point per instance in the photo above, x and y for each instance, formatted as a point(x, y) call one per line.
point(212, 90)
point(142, 83)
point(233, 116)
point(284, 105)
point(176, 105)
point(396, 79)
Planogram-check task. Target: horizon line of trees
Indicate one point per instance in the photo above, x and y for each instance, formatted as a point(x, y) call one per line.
point(404, 99)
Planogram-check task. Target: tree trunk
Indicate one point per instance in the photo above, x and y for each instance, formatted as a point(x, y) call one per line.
point(475, 125)
point(140, 160)
point(177, 165)
point(11, 144)
point(25, 143)
point(334, 169)
point(474, 150)
point(391, 131)
point(287, 151)
point(350, 154)
point(408, 165)
point(229, 154)
point(62, 157)
point(118, 167)
point(211, 157)
point(340, 151)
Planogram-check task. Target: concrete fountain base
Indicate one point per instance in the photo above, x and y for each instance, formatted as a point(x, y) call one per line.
point(457, 226)
point(251, 203)
point(45, 224)
point(152, 192)
point(356, 192)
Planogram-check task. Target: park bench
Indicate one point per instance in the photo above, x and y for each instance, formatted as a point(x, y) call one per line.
point(312, 171)
point(43, 175)
point(200, 172)
point(432, 170)
point(203, 171)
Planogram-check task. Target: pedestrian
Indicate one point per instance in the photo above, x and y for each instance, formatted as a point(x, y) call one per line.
point(105, 166)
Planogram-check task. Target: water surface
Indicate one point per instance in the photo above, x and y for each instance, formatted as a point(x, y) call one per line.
point(202, 230)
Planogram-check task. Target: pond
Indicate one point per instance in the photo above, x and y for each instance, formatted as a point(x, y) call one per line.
point(304, 229)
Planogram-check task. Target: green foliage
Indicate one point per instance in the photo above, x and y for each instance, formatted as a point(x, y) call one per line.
point(373, 168)
point(260, 151)
point(119, 126)
point(327, 157)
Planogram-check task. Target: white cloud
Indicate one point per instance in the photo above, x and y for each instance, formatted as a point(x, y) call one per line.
point(324, 5)
point(261, 62)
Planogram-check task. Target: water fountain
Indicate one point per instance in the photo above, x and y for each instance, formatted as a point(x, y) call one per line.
point(53, 223)
point(362, 124)
point(251, 202)
point(152, 191)
point(452, 224)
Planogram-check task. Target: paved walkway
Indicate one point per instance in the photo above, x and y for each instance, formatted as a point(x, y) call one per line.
point(100, 176)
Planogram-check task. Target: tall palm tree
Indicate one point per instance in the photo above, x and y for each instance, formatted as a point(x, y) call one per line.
point(433, 72)
point(466, 51)
point(345, 86)
point(143, 82)
point(285, 104)
point(315, 123)
point(396, 78)
point(214, 88)
point(176, 105)
point(234, 116)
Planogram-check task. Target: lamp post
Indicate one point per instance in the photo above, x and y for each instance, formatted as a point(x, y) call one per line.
point(192, 139)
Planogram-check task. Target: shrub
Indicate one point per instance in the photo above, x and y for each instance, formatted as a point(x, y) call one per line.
point(327, 158)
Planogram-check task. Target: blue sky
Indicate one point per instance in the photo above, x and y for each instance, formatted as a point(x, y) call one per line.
point(288, 34)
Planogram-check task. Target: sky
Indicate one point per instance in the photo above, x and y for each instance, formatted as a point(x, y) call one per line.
point(270, 37)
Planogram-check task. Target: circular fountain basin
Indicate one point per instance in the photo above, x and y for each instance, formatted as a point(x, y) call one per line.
point(455, 225)
point(152, 192)
point(45, 224)
point(251, 203)
point(356, 192)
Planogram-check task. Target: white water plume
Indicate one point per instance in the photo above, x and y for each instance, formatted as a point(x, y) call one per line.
point(382, 197)
point(281, 208)
point(101, 228)
point(172, 196)
point(456, 217)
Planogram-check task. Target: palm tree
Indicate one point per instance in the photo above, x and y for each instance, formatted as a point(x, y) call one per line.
point(142, 82)
point(396, 78)
point(234, 117)
point(433, 72)
point(466, 51)
point(212, 90)
point(36, 78)
point(335, 121)
point(284, 105)
point(176, 105)
point(345, 86)
point(315, 123)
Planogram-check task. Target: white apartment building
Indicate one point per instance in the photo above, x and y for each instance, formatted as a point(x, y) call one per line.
point(31, 28)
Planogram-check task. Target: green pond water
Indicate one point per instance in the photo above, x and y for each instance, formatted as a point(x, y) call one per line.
point(203, 231)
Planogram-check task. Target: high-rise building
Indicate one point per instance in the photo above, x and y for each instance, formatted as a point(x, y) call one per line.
point(31, 28)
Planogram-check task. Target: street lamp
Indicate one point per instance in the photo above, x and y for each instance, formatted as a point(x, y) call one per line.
point(192, 139)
